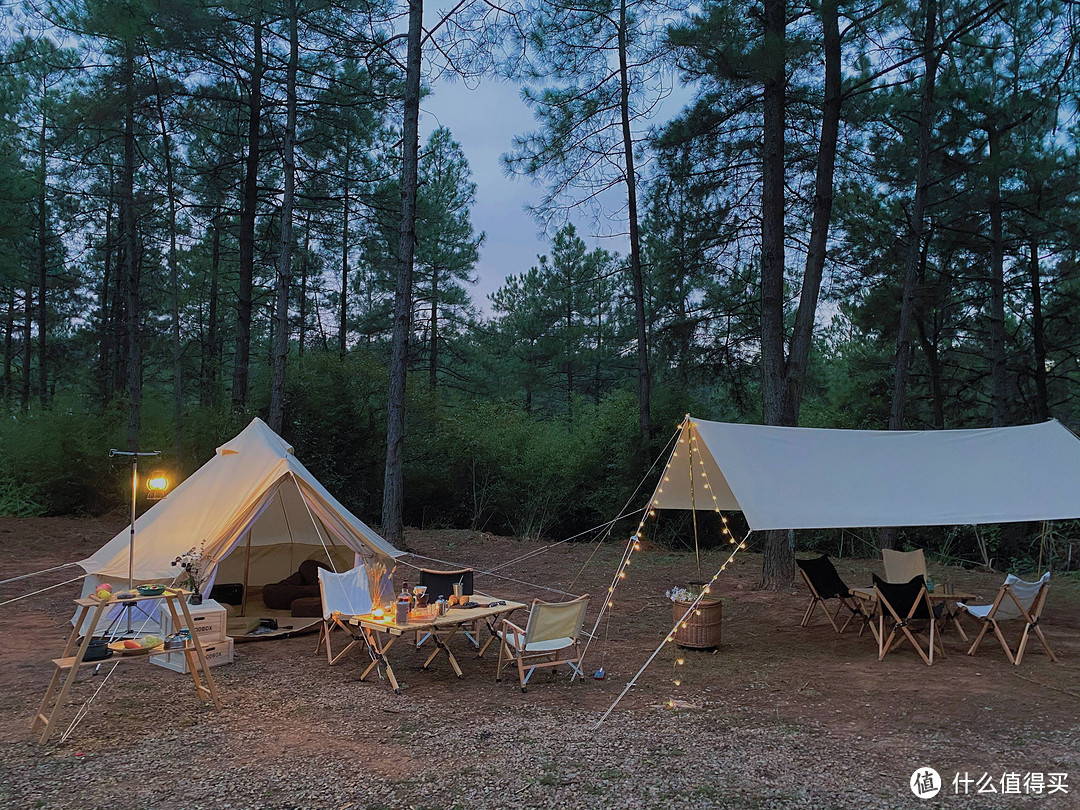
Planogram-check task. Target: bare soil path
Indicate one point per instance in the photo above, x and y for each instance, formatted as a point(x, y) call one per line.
point(779, 717)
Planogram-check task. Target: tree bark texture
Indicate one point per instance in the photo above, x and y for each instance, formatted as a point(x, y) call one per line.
point(393, 489)
point(778, 567)
point(1038, 333)
point(174, 285)
point(636, 278)
point(246, 237)
point(343, 315)
point(43, 254)
point(284, 268)
point(433, 370)
point(999, 394)
point(888, 538)
point(131, 258)
point(803, 336)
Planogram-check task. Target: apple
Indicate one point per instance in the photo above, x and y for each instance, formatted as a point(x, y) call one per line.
point(104, 586)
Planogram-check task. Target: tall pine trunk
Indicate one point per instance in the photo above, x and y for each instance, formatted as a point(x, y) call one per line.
point(43, 256)
point(131, 257)
point(9, 335)
point(174, 283)
point(246, 237)
point(212, 352)
point(284, 268)
point(433, 370)
point(803, 336)
point(393, 490)
point(343, 315)
point(999, 393)
point(777, 563)
point(1038, 334)
point(27, 334)
point(105, 324)
point(302, 337)
point(636, 278)
point(887, 538)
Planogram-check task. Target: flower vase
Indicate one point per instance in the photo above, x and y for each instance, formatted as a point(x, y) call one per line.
point(195, 598)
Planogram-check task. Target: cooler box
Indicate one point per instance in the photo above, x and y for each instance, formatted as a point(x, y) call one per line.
point(208, 620)
point(217, 653)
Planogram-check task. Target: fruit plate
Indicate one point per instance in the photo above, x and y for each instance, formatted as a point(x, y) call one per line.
point(119, 648)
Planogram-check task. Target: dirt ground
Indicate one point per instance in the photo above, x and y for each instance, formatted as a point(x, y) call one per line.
point(779, 717)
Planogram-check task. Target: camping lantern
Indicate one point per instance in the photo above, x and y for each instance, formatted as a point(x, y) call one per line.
point(156, 486)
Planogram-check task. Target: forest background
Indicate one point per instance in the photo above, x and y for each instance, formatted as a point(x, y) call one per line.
point(864, 217)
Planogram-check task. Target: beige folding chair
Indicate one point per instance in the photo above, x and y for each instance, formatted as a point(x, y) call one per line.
point(343, 595)
point(903, 566)
point(552, 628)
point(1017, 599)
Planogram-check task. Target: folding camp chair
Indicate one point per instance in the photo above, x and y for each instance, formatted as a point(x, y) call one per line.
point(903, 566)
point(1017, 599)
point(343, 595)
point(441, 583)
point(824, 583)
point(552, 628)
point(905, 603)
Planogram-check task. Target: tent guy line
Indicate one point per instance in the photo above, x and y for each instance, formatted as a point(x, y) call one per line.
point(36, 573)
point(43, 590)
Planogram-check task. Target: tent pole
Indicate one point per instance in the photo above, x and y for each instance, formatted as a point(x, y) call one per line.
point(247, 565)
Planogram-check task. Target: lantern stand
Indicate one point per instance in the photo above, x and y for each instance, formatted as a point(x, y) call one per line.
point(134, 456)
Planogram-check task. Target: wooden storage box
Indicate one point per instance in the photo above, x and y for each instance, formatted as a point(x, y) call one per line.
point(217, 653)
point(208, 620)
point(702, 630)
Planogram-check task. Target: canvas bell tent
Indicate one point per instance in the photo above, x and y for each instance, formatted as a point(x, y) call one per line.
point(255, 512)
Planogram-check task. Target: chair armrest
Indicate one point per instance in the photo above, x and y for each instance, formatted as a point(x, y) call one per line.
point(509, 627)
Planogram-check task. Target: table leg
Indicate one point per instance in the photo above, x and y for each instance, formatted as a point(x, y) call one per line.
point(379, 656)
point(442, 643)
point(954, 616)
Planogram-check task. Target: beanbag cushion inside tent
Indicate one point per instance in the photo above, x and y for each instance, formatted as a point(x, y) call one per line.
point(256, 513)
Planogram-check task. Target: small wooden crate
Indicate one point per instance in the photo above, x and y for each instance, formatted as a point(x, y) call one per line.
point(702, 630)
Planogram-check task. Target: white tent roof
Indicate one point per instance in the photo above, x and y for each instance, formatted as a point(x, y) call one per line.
point(253, 484)
point(809, 478)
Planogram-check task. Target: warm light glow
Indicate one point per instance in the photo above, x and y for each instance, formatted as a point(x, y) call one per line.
point(157, 482)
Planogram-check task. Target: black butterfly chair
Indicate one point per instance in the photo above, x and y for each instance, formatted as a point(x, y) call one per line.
point(824, 583)
point(906, 603)
point(441, 583)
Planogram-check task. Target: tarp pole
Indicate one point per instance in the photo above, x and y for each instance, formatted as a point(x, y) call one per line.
point(247, 566)
point(693, 504)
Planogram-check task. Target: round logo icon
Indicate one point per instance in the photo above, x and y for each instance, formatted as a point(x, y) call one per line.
point(925, 783)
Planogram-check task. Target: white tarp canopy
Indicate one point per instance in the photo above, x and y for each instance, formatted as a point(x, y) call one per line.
point(255, 496)
point(810, 478)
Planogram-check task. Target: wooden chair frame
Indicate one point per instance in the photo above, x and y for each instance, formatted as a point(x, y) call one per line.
point(328, 626)
point(534, 660)
point(849, 602)
point(1031, 623)
point(887, 645)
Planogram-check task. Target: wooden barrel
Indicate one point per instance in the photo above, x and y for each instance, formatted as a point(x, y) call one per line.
point(702, 626)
